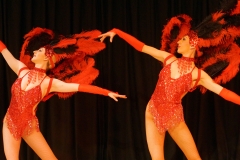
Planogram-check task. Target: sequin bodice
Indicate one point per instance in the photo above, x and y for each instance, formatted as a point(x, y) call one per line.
point(169, 90)
point(20, 117)
point(165, 103)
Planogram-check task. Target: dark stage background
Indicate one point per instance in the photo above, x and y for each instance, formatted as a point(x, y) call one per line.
point(94, 127)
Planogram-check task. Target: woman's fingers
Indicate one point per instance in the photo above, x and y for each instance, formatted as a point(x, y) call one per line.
point(105, 35)
point(115, 96)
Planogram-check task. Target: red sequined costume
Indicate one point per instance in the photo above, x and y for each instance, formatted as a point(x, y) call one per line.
point(165, 103)
point(19, 117)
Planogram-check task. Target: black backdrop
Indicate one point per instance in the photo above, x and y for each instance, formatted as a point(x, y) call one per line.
point(94, 127)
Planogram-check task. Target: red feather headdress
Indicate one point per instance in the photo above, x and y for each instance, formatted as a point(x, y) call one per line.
point(73, 55)
point(217, 50)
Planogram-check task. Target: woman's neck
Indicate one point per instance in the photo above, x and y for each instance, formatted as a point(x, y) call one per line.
point(41, 66)
point(190, 54)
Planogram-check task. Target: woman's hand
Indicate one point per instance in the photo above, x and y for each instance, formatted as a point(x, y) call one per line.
point(116, 95)
point(107, 34)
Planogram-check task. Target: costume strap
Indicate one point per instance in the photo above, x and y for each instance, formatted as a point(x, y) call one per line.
point(49, 86)
point(198, 79)
point(48, 94)
point(167, 58)
point(193, 69)
point(42, 80)
point(22, 70)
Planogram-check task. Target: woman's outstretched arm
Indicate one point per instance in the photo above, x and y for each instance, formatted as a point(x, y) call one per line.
point(13, 63)
point(60, 86)
point(208, 83)
point(138, 45)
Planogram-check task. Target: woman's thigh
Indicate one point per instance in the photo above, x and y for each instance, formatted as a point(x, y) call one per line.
point(11, 145)
point(38, 143)
point(155, 140)
point(183, 137)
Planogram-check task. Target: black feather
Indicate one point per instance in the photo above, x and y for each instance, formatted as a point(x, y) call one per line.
point(216, 69)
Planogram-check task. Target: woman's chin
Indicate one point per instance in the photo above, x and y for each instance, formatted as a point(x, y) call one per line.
point(33, 60)
point(179, 51)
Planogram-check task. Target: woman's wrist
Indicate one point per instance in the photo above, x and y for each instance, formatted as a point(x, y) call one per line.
point(93, 89)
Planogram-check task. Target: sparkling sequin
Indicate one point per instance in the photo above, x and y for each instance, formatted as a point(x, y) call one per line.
point(165, 103)
point(185, 65)
point(19, 117)
point(193, 38)
point(36, 73)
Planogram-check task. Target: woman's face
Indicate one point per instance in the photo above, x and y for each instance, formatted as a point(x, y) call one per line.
point(183, 45)
point(39, 55)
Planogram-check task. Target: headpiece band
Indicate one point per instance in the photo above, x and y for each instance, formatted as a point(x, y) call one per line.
point(49, 53)
point(193, 38)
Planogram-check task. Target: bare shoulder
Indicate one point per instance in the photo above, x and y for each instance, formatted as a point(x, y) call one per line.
point(204, 74)
point(46, 81)
point(56, 83)
point(209, 83)
point(199, 74)
point(205, 78)
point(23, 72)
point(195, 73)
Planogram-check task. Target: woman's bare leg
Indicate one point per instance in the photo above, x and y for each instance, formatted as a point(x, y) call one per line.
point(155, 140)
point(11, 145)
point(38, 143)
point(183, 137)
